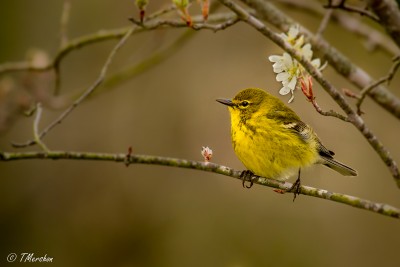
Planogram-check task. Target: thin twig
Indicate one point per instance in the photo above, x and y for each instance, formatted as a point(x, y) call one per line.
point(324, 23)
point(225, 19)
point(128, 73)
point(64, 23)
point(158, 56)
point(89, 91)
point(161, 12)
point(364, 92)
point(330, 113)
point(63, 42)
point(353, 9)
point(306, 86)
point(21, 66)
point(80, 42)
point(36, 134)
point(379, 208)
point(217, 27)
point(115, 79)
point(353, 117)
point(77, 43)
point(198, 24)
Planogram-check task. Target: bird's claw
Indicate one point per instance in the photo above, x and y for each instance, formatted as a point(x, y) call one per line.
point(248, 176)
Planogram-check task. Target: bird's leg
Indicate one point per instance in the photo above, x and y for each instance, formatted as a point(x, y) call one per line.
point(249, 176)
point(296, 187)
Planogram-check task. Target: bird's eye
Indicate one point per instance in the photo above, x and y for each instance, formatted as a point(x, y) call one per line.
point(244, 103)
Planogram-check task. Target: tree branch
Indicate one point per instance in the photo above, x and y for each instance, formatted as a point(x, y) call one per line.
point(36, 134)
point(380, 208)
point(324, 23)
point(370, 87)
point(229, 20)
point(155, 58)
point(389, 16)
point(342, 5)
point(104, 35)
point(69, 47)
point(89, 91)
point(64, 22)
point(373, 38)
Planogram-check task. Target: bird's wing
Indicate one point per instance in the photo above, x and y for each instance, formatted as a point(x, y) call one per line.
point(306, 133)
point(291, 121)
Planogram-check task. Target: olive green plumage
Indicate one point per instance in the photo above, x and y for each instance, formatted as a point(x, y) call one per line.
point(271, 140)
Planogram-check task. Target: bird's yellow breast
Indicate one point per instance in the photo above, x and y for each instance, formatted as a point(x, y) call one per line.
point(269, 149)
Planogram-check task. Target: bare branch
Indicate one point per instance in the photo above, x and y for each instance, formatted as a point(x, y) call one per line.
point(36, 127)
point(370, 87)
point(219, 27)
point(389, 16)
point(161, 12)
point(155, 58)
point(63, 41)
point(64, 22)
point(324, 23)
point(158, 56)
point(330, 113)
point(21, 66)
point(306, 86)
point(71, 46)
point(225, 20)
point(231, 20)
point(353, 9)
point(127, 159)
point(374, 39)
point(85, 94)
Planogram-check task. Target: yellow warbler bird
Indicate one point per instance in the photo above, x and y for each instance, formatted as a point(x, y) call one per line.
point(271, 140)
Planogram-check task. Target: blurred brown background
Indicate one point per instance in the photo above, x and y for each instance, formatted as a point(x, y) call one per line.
point(104, 214)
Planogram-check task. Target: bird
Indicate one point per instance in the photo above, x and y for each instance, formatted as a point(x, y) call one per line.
point(272, 141)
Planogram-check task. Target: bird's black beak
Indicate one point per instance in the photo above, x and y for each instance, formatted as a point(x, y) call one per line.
point(227, 102)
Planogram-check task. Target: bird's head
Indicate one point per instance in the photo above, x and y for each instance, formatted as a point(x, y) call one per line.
point(248, 102)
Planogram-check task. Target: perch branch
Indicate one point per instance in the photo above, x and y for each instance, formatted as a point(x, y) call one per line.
point(379, 208)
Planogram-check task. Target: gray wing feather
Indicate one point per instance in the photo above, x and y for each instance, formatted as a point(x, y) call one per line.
point(305, 133)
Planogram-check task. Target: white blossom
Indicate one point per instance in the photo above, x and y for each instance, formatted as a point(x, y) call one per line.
point(289, 70)
point(291, 36)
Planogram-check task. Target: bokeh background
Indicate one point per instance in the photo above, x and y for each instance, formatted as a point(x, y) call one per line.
point(84, 213)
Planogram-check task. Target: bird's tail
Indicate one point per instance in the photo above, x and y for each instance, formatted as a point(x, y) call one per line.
point(339, 167)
